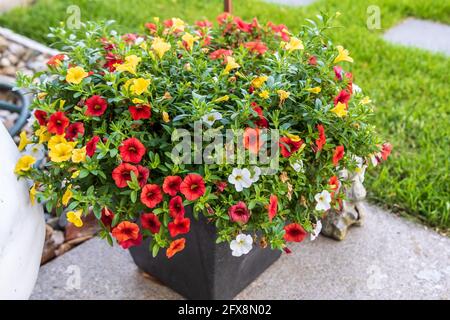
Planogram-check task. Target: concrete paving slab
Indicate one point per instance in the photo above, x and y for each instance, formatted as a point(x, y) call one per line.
point(388, 258)
point(292, 2)
point(422, 34)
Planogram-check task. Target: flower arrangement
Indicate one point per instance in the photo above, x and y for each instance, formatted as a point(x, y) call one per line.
point(109, 106)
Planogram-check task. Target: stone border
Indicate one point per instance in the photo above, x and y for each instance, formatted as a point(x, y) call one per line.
point(26, 42)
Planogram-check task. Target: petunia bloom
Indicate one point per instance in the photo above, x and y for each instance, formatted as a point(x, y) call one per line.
point(343, 97)
point(57, 123)
point(323, 200)
point(179, 225)
point(257, 47)
point(140, 111)
point(240, 178)
point(288, 146)
point(91, 145)
point(143, 174)
point(171, 185)
point(294, 233)
point(220, 54)
point(74, 130)
point(151, 195)
point(127, 234)
point(243, 244)
point(253, 140)
point(75, 75)
point(386, 150)
point(150, 221)
point(175, 247)
point(74, 217)
point(122, 174)
point(193, 186)
point(132, 150)
point(322, 139)
point(96, 106)
point(176, 208)
point(107, 218)
point(338, 154)
point(56, 60)
point(41, 116)
point(273, 207)
point(239, 213)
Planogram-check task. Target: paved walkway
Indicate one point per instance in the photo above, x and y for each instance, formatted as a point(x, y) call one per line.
point(387, 258)
point(422, 34)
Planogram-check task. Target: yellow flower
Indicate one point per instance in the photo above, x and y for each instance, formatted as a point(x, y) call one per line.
point(75, 174)
point(178, 24)
point(258, 81)
point(137, 101)
point(61, 152)
point(79, 155)
point(189, 39)
point(33, 195)
point(67, 195)
point(41, 95)
point(74, 217)
point(23, 141)
point(293, 137)
point(231, 64)
point(76, 75)
point(340, 110)
point(264, 94)
point(165, 117)
point(54, 140)
point(139, 86)
point(366, 100)
point(294, 44)
point(24, 164)
point(167, 95)
point(129, 65)
point(143, 45)
point(221, 99)
point(343, 55)
point(160, 46)
point(43, 134)
point(314, 90)
point(283, 95)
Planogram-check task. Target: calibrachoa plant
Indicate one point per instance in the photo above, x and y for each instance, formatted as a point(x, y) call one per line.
point(108, 105)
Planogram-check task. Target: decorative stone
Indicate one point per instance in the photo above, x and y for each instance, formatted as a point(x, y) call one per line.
point(22, 227)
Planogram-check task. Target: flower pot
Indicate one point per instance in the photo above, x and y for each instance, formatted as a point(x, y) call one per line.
point(204, 269)
point(22, 228)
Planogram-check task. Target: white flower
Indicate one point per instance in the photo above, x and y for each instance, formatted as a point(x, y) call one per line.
point(257, 173)
point(298, 166)
point(241, 245)
point(240, 178)
point(361, 168)
point(323, 200)
point(35, 150)
point(316, 231)
point(211, 117)
point(356, 89)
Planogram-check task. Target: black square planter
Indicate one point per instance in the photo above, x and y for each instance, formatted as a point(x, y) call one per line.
point(204, 269)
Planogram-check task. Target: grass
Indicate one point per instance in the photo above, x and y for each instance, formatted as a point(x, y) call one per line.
point(409, 86)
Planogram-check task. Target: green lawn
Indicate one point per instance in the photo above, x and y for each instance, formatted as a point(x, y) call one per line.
point(410, 87)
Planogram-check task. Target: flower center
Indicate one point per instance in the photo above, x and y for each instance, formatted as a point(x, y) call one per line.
point(238, 178)
point(97, 107)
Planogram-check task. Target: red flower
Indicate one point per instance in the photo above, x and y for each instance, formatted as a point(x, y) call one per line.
point(239, 213)
point(342, 97)
point(312, 60)
point(140, 111)
point(262, 121)
point(107, 218)
point(57, 123)
point(193, 186)
point(386, 150)
point(127, 234)
point(221, 185)
point(111, 60)
point(143, 175)
point(96, 106)
point(171, 185)
point(151, 27)
point(349, 76)
point(175, 247)
point(150, 222)
point(223, 17)
point(122, 174)
point(338, 72)
point(252, 140)
point(56, 60)
point(294, 232)
point(91, 146)
point(132, 150)
point(74, 130)
point(280, 30)
point(41, 117)
point(256, 47)
point(220, 54)
point(203, 24)
point(334, 183)
point(320, 142)
point(288, 146)
point(273, 207)
point(129, 37)
point(243, 26)
point(176, 208)
point(338, 155)
point(179, 225)
point(151, 195)
point(168, 23)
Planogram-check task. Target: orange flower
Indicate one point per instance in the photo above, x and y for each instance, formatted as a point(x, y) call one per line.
point(253, 140)
point(175, 247)
point(126, 231)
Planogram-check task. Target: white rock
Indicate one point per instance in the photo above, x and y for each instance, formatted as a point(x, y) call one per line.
point(22, 228)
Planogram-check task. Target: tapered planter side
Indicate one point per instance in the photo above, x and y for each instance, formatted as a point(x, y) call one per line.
point(204, 269)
